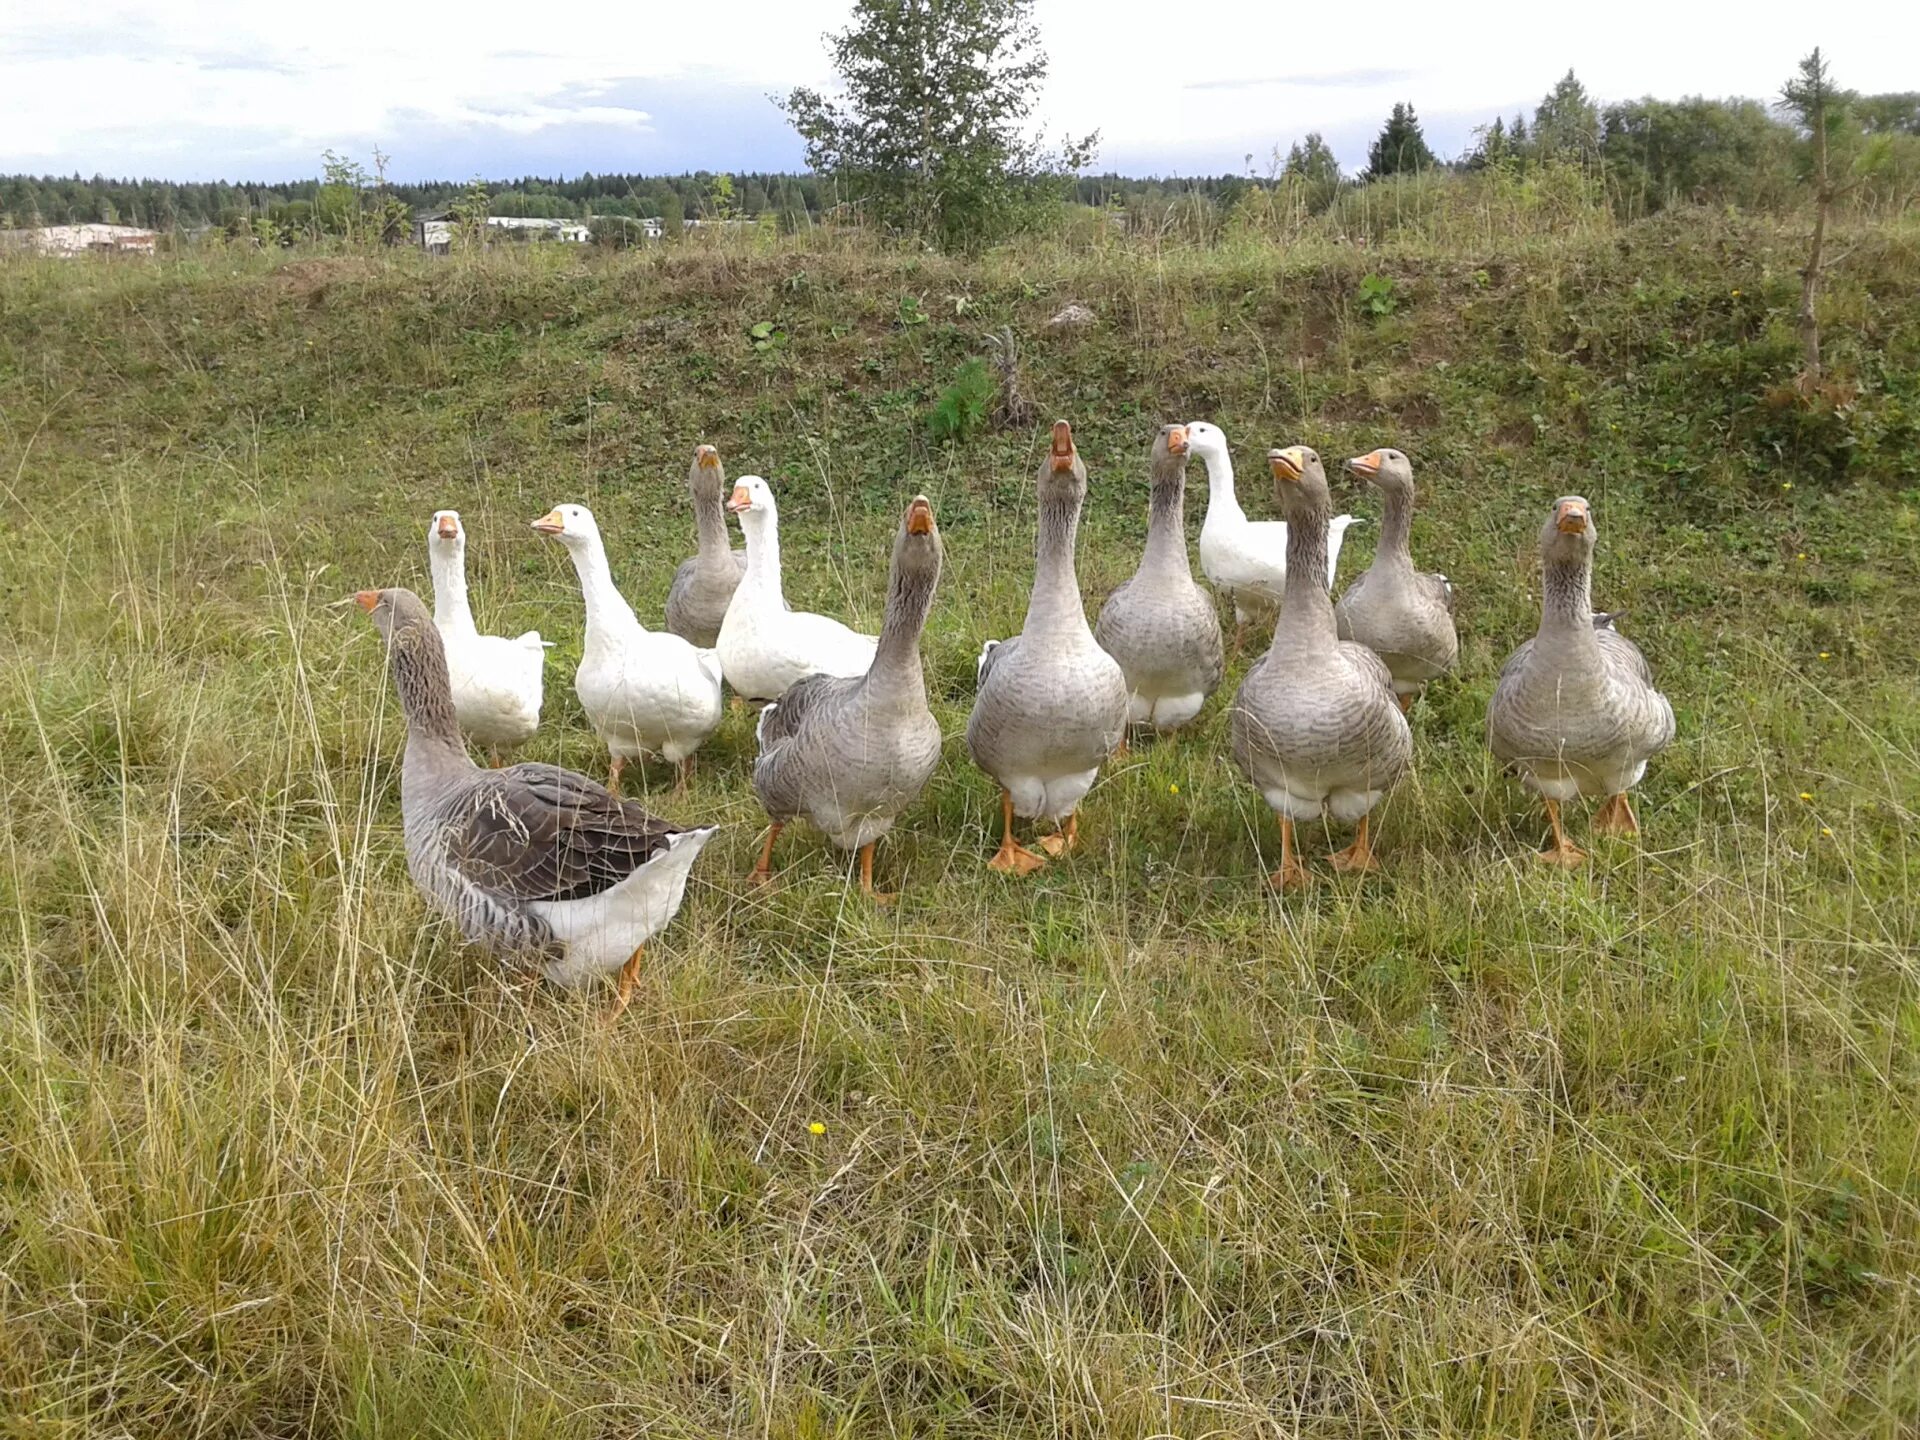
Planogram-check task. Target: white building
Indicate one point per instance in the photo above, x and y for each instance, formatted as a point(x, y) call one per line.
point(437, 232)
point(70, 240)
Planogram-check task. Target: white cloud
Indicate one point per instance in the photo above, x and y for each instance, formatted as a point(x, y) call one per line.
point(222, 87)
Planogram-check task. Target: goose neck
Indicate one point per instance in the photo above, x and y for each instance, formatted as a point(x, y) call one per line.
point(1166, 552)
point(1306, 615)
point(710, 524)
point(762, 531)
point(1056, 586)
point(450, 608)
point(896, 677)
point(608, 613)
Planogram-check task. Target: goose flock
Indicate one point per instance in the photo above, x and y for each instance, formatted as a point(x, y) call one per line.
point(560, 874)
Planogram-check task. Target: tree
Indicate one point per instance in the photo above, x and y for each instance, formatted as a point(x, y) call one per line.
point(930, 133)
point(1494, 148)
point(1810, 97)
point(1566, 125)
point(1401, 148)
point(1313, 171)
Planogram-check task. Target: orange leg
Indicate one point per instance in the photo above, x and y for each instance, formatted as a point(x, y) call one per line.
point(763, 871)
point(1120, 751)
point(686, 775)
point(1358, 857)
point(1406, 701)
point(866, 878)
point(1064, 839)
point(613, 775)
point(1562, 852)
point(1616, 817)
point(1291, 875)
point(623, 996)
point(1012, 858)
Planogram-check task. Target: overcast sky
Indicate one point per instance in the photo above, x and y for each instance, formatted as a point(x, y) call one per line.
point(220, 89)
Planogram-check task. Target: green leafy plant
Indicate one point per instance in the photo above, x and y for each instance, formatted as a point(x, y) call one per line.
point(963, 407)
point(766, 336)
point(1377, 296)
point(910, 312)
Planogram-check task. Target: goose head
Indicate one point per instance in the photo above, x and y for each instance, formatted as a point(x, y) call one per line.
point(1063, 475)
point(571, 525)
point(1207, 441)
point(1387, 470)
point(704, 475)
point(1299, 482)
point(1569, 532)
point(917, 550)
point(446, 536)
point(1171, 448)
point(752, 497)
point(395, 613)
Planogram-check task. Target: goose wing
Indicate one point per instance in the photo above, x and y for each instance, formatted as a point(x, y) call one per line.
point(538, 832)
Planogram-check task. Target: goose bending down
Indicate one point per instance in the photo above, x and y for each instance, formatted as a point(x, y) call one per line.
point(704, 585)
point(1052, 704)
point(1402, 615)
point(764, 646)
point(1246, 559)
point(534, 862)
point(1575, 710)
point(850, 754)
point(645, 692)
point(496, 681)
point(1315, 724)
point(1160, 626)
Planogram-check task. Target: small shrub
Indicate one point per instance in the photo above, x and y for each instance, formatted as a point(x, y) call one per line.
point(766, 336)
point(1377, 297)
point(963, 406)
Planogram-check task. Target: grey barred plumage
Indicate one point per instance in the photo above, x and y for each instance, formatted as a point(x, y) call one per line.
point(1160, 626)
point(703, 585)
point(1575, 710)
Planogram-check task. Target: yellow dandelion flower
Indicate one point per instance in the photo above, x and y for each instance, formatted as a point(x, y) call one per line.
point(1806, 794)
point(1826, 654)
point(816, 1128)
point(1801, 556)
point(1826, 832)
point(1173, 789)
point(1736, 294)
point(1786, 484)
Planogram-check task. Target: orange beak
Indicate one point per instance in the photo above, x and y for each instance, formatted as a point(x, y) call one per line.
point(367, 600)
point(920, 516)
point(706, 457)
point(1062, 446)
point(739, 500)
point(551, 523)
point(1286, 464)
point(1571, 517)
point(447, 528)
point(1367, 465)
point(1176, 439)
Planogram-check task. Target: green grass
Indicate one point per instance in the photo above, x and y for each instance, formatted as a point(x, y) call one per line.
point(1133, 1148)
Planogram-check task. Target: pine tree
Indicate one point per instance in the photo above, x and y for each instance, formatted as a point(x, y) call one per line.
point(1567, 123)
point(1401, 148)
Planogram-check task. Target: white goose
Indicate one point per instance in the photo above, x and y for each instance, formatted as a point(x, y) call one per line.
point(765, 647)
point(496, 681)
point(646, 692)
point(1246, 558)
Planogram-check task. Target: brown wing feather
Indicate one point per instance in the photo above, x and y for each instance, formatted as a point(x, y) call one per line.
point(538, 832)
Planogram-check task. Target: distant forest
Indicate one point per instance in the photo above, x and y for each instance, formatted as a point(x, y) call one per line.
point(1637, 156)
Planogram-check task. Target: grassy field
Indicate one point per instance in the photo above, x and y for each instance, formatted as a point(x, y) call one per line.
point(1133, 1148)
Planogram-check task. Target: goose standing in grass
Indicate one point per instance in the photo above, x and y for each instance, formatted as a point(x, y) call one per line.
point(1052, 704)
point(1402, 615)
point(1575, 710)
point(534, 862)
point(1246, 559)
point(497, 682)
point(765, 647)
point(850, 754)
point(1316, 725)
point(645, 692)
point(1160, 626)
point(704, 585)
